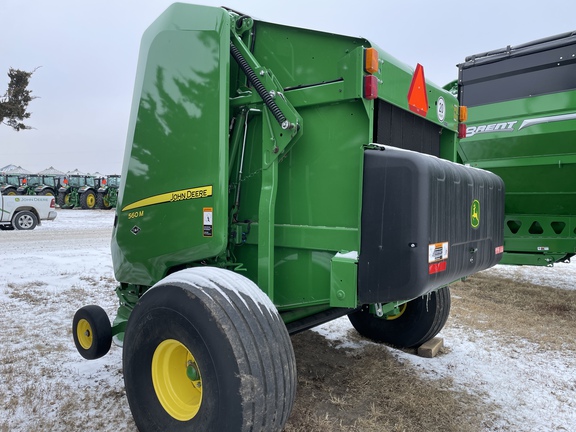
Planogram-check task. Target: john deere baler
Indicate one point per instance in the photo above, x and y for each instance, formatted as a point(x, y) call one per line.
point(276, 178)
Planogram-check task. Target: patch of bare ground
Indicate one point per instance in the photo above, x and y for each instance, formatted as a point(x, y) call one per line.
point(515, 311)
point(369, 390)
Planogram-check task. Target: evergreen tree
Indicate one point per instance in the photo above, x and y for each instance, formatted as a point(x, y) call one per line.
point(14, 103)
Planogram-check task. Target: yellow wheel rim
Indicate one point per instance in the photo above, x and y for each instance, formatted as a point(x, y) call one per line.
point(90, 200)
point(402, 309)
point(84, 333)
point(177, 380)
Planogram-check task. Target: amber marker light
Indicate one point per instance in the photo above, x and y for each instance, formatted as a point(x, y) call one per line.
point(371, 60)
point(463, 113)
point(462, 117)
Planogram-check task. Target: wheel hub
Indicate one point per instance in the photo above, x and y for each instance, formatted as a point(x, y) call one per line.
point(177, 380)
point(84, 333)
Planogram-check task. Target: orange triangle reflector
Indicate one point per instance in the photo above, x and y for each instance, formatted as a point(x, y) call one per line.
point(417, 97)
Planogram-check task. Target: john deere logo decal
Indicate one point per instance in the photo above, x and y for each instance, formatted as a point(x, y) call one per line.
point(475, 214)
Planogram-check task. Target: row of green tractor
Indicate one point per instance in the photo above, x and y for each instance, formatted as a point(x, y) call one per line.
point(71, 191)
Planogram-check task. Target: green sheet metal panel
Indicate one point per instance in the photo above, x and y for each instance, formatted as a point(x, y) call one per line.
point(522, 126)
point(173, 200)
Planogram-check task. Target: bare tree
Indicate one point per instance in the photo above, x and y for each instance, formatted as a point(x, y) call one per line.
point(14, 103)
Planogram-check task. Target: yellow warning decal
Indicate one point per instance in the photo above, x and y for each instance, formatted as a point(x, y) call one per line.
point(181, 195)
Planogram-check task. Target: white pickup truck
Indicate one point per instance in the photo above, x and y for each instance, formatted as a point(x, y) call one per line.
point(24, 212)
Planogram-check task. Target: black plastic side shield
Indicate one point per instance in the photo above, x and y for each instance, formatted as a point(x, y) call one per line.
point(426, 222)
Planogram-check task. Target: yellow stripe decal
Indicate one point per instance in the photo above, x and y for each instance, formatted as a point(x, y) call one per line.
point(181, 195)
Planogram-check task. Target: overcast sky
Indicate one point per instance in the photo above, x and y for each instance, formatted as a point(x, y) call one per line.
point(87, 52)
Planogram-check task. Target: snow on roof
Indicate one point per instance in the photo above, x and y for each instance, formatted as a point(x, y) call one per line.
point(75, 172)
point(18, 170)
point(51, 171)
point(8, 168)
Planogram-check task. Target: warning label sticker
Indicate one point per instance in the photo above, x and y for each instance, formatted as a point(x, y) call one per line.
point(208, 221)
point(437, 252)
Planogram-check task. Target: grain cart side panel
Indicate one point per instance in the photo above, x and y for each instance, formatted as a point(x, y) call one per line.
point(522, 126)
point(173, 200)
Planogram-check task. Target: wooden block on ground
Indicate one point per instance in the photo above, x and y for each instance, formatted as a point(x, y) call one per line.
point(431, 348)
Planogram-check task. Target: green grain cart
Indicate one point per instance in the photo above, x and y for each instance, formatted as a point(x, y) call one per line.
point(275, 179)
point(522, 126)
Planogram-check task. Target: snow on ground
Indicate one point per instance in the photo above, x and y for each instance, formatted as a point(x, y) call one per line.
point(46, 275)
point(528, 384)
point(72, 258)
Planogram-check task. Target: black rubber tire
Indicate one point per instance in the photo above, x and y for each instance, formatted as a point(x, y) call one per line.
point(88, 200)
point(24, 220)
point(102, 202)
point(421, 320)
point(47, 192)
point(238, 340)
point(10, 191)
point(62, 199)
point(93, 319)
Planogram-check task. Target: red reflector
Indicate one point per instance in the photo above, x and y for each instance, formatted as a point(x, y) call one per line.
point(462, 130)
point(370, 87)
point(417, 97)
point(437, 267)
point(499, 250)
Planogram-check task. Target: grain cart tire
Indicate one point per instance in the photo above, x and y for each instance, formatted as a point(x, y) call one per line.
point(88, 200)
point(419, 321)
point(92, 332)
point(25, 220)
point(206, 350)
point(102, 202)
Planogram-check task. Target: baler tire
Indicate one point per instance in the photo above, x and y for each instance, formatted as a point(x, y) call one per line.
point(24, 220)
point(221, 324)
point(92, 332)
point(420, 320)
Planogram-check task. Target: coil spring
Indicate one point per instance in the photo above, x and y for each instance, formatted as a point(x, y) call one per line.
point(255, 81)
